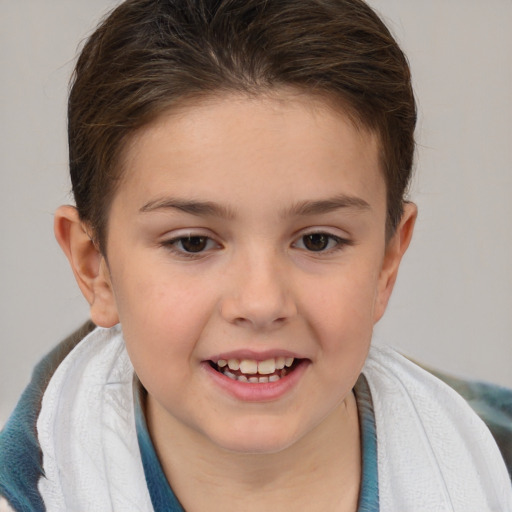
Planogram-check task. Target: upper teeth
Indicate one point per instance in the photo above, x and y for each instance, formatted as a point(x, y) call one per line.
point(252, 367)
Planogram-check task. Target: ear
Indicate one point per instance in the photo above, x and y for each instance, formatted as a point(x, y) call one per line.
point(395, 249)
point(88, 264)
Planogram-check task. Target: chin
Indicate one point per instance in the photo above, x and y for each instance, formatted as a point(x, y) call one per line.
point(255, 439)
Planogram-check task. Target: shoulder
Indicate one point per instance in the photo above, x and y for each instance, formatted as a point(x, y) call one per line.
point(429, 431)
point(492, 403)
point(20, 454)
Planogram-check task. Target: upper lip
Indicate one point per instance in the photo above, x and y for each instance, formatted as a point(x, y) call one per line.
point(253, 355)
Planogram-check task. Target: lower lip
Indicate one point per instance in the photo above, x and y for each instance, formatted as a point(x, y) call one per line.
point(257, 392)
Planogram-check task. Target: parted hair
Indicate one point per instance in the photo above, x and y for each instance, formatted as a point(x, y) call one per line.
point(148, 56)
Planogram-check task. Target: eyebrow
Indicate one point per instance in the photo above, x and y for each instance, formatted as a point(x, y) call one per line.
point(199, 208)
point(302, 208)
point(328, 205)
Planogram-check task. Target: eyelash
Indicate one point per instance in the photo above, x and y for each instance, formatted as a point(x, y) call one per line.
point(340, 242)
point(173, 243)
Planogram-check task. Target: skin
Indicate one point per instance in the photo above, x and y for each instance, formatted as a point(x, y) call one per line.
point(275, 168)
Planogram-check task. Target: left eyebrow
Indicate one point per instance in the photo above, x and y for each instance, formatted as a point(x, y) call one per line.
point(327, 206)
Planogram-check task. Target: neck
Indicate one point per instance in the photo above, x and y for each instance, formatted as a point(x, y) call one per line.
point(321, 471)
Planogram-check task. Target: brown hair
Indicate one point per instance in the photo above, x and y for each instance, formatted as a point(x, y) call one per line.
point(149, 55)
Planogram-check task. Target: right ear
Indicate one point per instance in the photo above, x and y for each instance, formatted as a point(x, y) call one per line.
point(88, 264)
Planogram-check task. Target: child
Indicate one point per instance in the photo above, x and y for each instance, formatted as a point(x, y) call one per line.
point(239, 170)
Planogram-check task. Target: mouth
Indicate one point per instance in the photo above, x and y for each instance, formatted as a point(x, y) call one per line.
point(256, 372)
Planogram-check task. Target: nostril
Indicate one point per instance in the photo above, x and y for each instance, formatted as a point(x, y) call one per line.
point(258, 322)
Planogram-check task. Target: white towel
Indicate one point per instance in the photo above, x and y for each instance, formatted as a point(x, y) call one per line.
point(87, 433)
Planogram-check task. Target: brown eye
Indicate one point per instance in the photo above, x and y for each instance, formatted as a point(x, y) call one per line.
point(191, 246)
point(193, 243)
point(316, 241)
point(321, 242)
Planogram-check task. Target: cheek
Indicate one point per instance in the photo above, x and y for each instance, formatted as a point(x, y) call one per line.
point(342, 305)
point(341, 323)
point(162, 318)
point(152, 295)
point(342, 316)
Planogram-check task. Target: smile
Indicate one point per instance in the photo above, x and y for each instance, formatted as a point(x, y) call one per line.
point(256, 372)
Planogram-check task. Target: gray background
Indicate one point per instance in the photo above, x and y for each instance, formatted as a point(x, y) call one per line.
point(452, 307)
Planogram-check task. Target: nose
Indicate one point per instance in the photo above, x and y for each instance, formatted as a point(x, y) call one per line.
point(258, 294)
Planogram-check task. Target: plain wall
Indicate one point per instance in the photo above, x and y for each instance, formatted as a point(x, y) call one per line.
point(452, 306)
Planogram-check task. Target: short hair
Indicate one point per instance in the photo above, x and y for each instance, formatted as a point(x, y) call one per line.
point(147, 56)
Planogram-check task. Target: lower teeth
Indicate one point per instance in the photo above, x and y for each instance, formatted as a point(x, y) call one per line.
point(254, 379)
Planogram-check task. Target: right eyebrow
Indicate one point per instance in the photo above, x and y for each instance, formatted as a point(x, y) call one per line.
point(200, 208)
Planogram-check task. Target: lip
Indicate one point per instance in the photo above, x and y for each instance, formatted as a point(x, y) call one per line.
point(257, 392)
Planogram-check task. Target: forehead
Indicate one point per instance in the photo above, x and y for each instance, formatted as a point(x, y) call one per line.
point(282, 146)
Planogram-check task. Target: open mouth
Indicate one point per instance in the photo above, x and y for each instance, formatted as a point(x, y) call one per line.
point(256, 372)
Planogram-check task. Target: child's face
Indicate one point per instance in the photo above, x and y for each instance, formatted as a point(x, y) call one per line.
point(285, 206)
